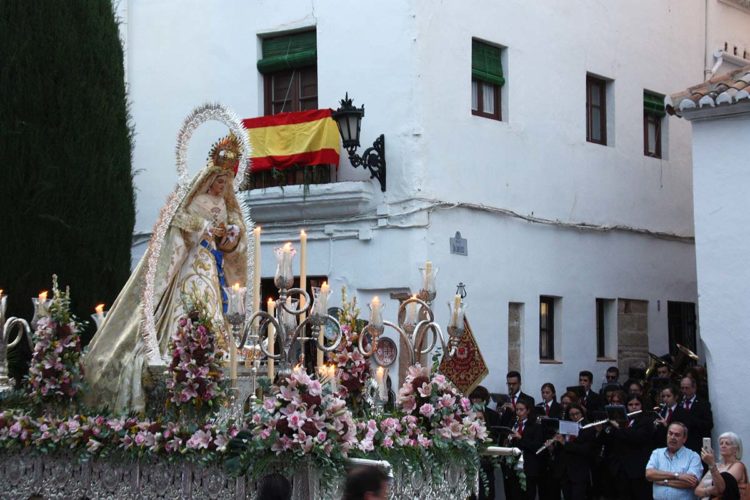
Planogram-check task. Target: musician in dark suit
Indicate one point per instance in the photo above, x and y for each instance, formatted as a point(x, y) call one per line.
point(508, 410)
point(670, 412)
point(527, 436)
point(696, 415)
point(549, 485)
point(590, 399)
point(630, 445)
point(573, 456)
point(549, 407)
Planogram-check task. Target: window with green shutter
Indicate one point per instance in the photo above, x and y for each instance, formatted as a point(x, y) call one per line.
point(653, 114)
point(486, 79)
point(292, 51)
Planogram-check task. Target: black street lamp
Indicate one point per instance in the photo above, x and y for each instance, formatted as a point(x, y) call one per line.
point(349, 120)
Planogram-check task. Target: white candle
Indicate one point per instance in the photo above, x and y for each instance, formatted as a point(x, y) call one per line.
point(99, 312)
point(376, 312)
point(456, 306)
point(271, 339)
point(321, 308)
point(411, 311)
point(302, 271)
point(42, 304)
point(382, 388)
point(256, 269)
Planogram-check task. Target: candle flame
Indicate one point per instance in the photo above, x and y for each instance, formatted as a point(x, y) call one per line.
point(288, 246)
point(43, 296)
point(256, 230)
point(1, 292)
point(302, 233)
point(236, 287)
point(381, 371)
point(271, 302)
point(99, 309)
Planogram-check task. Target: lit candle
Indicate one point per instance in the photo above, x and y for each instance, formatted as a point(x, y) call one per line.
point(42, 304)
point(256, 269)
point(271, 339)
point(382, 388)
point(100, 312)
point(302, 270)
point(376, 312)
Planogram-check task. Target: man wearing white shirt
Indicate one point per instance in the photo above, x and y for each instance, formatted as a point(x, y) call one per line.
point(676, 469)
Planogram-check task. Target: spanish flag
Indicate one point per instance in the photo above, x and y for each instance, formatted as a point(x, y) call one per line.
point(288, 139)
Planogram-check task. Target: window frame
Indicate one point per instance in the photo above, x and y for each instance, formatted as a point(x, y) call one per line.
point(657, 120)
point(591, 81)
point(295, 97)
point(497, 115)
point(547, 332)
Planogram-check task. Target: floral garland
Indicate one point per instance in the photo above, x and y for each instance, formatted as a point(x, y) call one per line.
point(195, 371)
point(99, 436)
point(56, 372)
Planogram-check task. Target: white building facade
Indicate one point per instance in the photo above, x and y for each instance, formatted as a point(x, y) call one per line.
point(600, 236)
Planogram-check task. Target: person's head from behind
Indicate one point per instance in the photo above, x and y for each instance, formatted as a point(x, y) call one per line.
point(274, 487)
point(366, 483)
point(480, 395)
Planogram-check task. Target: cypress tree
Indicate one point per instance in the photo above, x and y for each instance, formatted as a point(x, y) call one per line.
point(66, 190)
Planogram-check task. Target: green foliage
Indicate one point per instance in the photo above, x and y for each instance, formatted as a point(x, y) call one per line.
point(66, 192)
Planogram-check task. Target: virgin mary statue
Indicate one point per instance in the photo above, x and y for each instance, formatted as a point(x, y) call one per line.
point(203, 249)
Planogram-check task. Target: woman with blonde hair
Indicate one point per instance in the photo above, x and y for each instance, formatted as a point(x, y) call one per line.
point(726, 478)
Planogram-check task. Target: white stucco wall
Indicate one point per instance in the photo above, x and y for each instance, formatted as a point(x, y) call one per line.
point(409, 62)
point(722, 182)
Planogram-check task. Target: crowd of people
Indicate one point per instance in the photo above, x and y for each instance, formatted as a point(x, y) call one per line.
point(630, 441)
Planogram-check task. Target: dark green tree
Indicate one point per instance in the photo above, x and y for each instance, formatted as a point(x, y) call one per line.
point(66, 190)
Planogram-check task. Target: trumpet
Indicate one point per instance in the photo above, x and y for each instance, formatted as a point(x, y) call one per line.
point(600, 422)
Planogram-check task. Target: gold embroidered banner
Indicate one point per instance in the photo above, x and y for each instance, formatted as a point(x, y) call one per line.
point(466, 369)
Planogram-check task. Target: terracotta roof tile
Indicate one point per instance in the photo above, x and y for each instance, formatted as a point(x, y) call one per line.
point(721, 90)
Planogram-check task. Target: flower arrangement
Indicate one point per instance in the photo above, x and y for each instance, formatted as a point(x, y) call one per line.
point(56, 372)
point(446, 416)
point(195, 371)
point(300, 423)
point(352, 367)
point(100, 436)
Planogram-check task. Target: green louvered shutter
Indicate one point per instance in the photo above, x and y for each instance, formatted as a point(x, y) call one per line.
point(653, 104)
point(485, 63)
point(288, 52)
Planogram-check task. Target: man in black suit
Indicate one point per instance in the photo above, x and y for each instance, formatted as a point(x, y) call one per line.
point(590, 399)
point(508, 409)
point(695, 414)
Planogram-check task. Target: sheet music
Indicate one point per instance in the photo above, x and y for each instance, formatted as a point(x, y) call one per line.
point(568, 428)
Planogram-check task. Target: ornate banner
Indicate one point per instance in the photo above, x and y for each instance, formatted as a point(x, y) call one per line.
point(467, 368)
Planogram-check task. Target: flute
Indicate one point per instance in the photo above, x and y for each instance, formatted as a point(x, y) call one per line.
point(600, 422)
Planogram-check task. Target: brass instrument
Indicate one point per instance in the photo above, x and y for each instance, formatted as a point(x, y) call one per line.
point(685, 357)
point(654, 363)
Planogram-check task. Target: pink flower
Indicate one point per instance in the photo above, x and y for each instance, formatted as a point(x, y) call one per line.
point(221, 442)
point(447, 401)
point(427, 410)
point(425, 390)
point(199, 440)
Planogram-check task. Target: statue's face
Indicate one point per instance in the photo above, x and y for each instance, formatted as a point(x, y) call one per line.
point(217, 186)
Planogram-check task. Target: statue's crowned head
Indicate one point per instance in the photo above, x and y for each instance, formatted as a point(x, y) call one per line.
point(225, 154)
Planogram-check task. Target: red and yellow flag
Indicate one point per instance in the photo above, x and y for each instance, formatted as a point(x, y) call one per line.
point(286, 139)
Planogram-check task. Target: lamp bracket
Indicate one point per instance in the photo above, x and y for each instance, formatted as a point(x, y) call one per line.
point(372, 159)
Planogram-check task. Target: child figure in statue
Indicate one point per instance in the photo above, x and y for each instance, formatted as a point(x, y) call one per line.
point(203, 250)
